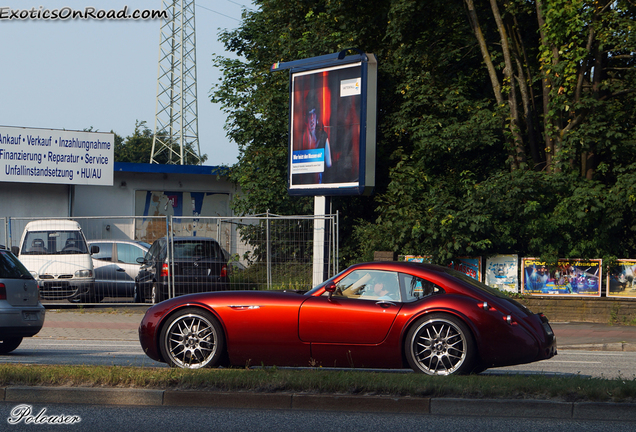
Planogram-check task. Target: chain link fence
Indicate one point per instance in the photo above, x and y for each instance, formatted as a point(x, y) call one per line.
point(153, 258)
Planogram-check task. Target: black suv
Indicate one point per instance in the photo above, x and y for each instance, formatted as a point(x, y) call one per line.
point(187, 264)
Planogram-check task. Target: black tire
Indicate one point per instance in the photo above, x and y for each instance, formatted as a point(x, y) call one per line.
point(9, 344)
point(191, 339)
point(156, 295)
point(138, 294)
point(440, 344)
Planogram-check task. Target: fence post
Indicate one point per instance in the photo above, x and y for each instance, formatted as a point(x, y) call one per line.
point(269, 250)
point(170, 251)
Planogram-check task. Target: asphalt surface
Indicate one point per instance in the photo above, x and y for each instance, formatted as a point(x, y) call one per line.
point(121, 324)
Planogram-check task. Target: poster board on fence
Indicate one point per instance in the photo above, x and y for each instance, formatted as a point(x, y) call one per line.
point(469, 266)
point(620, 279)
point(502, 272)
point(571, 278)
point(417, 258)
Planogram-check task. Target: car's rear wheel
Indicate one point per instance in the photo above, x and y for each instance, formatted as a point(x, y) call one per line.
point(9, 344)
point(440, 344)
point(192, 338)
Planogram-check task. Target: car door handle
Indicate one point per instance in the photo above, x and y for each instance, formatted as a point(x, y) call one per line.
point(385, 304)
point(120, 269)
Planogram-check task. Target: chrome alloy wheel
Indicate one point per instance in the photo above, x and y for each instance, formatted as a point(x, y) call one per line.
point(439, 347)
point(191, 341)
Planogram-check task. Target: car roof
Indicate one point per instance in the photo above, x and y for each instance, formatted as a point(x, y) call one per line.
point(52, 224)
point(136, 242)
point(188, 238)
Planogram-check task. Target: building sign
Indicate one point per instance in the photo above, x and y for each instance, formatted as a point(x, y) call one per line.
point(56, 156)
point(571, 277)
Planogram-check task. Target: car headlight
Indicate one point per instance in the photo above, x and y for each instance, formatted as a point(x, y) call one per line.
point(84, 273)
point(34, 274)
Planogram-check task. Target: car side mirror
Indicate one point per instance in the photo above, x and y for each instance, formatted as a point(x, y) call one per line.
point(94, 249)
point(141, 260)
point(15, 250)
point(330, 288)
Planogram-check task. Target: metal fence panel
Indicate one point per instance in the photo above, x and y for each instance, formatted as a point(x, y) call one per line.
point(256, 253)
point(265, 252)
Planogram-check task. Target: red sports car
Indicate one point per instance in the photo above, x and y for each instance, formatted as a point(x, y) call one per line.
point(373, 315)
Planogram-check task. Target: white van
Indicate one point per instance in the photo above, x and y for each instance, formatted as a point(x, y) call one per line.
point(56, 254)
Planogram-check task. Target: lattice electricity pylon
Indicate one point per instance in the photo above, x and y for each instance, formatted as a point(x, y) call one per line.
point(176, 134)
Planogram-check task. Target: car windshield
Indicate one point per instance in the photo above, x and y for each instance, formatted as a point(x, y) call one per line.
point(12, 268)
point(196, 249)
point(53, 243)
point(319, 286)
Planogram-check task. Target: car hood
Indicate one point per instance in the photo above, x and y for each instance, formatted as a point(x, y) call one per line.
point(56, 264)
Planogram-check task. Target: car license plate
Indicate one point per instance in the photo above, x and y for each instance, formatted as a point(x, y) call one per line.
point(30, 316)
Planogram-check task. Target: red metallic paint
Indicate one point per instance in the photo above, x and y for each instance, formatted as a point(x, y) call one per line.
point(290, 329)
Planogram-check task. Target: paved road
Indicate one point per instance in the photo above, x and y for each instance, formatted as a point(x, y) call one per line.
point(156, 418)
point(109, 337)
point(104, 336)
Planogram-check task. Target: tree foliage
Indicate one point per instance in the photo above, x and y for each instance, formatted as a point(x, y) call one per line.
point(138, 146)
point(503, 127)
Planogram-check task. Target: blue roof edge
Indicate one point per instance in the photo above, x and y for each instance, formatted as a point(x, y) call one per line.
point(171, 169)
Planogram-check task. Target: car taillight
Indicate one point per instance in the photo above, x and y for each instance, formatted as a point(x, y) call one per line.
point(224, 271)
point(3, 292)
point(164, 270)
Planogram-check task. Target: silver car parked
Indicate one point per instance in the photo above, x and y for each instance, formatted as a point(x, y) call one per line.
point(21, 313)
point(116, 267)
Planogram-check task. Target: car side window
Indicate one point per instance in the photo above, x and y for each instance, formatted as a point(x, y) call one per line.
point(128, 254)
point(105, 251)
point(370, 285)
point(418, 288)
point(153, 252)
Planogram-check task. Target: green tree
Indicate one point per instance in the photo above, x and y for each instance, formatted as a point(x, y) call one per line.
point(138, 146)
point(502, 126)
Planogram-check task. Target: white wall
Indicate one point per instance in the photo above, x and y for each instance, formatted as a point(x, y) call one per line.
point(33, 200)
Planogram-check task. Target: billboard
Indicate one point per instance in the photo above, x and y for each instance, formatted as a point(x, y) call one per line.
point(332, 125)
point(620, 279)
point(56, 156)
point(571, 277)
point(502, 272)
point(469, 266)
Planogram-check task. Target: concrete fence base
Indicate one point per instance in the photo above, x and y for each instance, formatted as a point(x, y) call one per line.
point(597, 310)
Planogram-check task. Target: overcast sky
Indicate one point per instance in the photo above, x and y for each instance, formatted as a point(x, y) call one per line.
point(76, 74)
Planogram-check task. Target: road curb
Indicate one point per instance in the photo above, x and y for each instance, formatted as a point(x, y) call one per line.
point(526, 408)
point(614, 346)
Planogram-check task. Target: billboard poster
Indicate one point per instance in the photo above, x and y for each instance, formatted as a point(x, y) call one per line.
point(502, 272)
point(56, 156)
point(417, 258)
point(572, 277)
point(332, 130)
point(620, 280)
point(469, 266)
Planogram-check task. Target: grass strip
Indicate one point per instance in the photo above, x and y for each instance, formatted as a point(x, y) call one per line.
point(324, 381)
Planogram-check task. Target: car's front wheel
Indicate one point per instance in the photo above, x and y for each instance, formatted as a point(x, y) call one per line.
point(156, 294)
point(138, 294)
point(9, 344)
point(192, 338)
point(440, 344)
